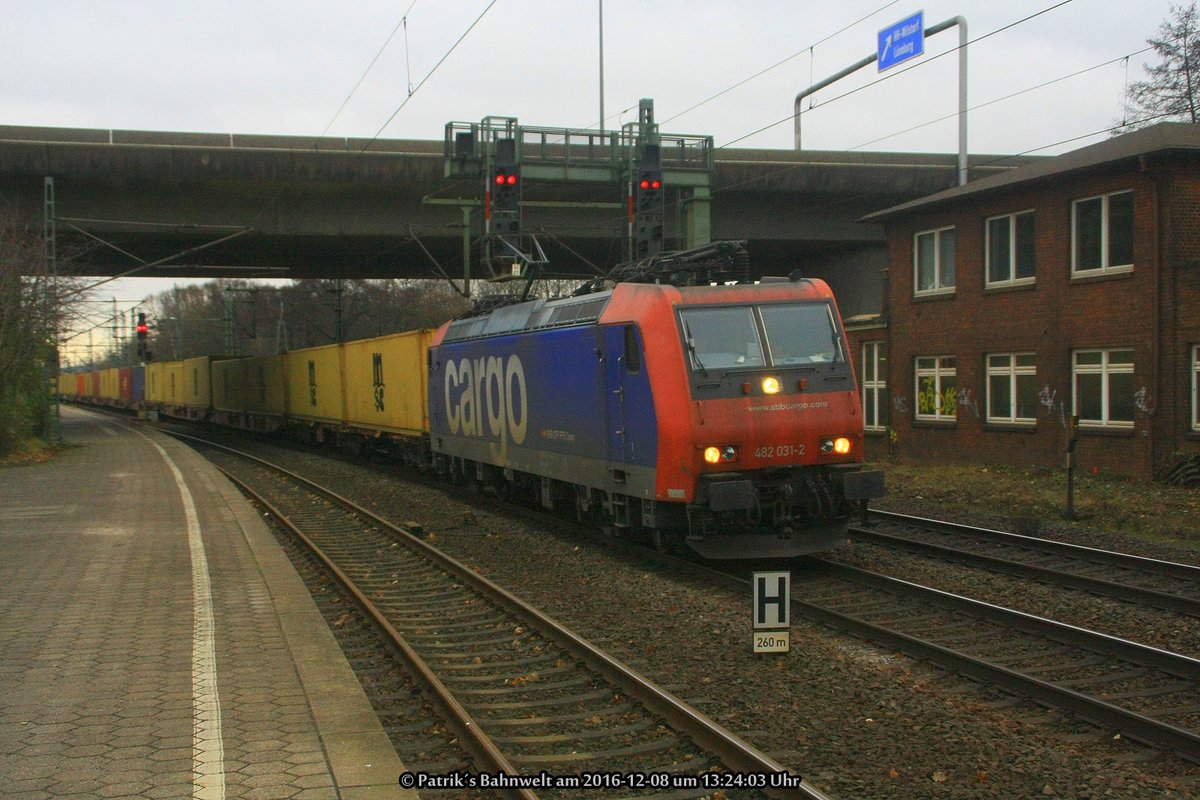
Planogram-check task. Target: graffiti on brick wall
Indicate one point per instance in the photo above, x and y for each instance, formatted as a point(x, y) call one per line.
point(967, 400)
point(1048, 398)
point(900, 403)
point(1141, 399)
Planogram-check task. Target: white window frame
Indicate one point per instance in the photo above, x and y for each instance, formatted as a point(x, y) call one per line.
point(937, 288)
point(1196, 387)
point(1011, 371)
point(942, 411)
point(1011, 280)
point(1105, 369)
point(876, 386)
point(1105, 268)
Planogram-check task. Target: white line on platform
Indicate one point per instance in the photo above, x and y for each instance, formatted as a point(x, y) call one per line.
point(208, 748)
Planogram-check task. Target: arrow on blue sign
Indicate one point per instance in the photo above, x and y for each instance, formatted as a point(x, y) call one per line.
point(901, 41)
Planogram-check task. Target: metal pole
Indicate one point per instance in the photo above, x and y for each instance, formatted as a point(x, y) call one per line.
point(962, 99)
point(178, 321)
point(601, 66)
point(50, 256)
point(961, 22)
point(816, 87)
point(337, 310)
point(466, 226)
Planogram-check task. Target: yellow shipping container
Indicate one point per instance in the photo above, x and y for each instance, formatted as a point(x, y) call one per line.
point(314, 384)
point(225, 384)
point(164, 383)
point(110, 384)
point(386, 382)
point(257, 385)
point(197, 383)
point(154, 381)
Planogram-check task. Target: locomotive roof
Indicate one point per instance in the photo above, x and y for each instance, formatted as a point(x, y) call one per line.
point(587, 309)
point(530, 315)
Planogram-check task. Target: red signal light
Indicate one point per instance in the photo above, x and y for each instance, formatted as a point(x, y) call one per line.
point(506, 179)
point(650, 184)
point(655, 184)
point(143, 328)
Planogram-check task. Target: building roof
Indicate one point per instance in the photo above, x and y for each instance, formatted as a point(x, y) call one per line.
point(1166, 136)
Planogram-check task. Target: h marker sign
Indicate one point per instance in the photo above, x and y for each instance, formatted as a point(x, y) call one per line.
point(772, 612)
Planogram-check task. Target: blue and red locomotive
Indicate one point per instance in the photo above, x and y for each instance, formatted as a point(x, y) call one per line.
point(724, 417)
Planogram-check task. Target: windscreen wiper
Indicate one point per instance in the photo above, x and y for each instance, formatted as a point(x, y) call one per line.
point(691, 346)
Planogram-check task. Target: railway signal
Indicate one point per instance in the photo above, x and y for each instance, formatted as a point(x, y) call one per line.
point(649, 195)
point(647, 202)
point(504, 190)
point(143, 331)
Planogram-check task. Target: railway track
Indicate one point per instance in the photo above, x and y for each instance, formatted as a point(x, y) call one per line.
point(1146, 694)
point(1151, 695)
point(1160, 584)
point(524, 695)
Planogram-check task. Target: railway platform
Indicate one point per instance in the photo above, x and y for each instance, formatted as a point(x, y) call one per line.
point(156, 642)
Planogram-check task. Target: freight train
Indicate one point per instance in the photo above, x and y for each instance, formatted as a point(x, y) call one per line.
point(723, 417)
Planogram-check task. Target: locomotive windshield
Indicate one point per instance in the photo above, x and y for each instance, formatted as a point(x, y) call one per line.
point(802, 333)
point(735, 337)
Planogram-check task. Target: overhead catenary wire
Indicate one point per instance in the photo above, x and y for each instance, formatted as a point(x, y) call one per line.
point(897, 73)
point(428, 75)
point(992, 102)
point(809, 49)
point(403, 23)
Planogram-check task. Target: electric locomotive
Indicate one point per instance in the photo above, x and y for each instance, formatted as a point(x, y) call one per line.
point(685, 402)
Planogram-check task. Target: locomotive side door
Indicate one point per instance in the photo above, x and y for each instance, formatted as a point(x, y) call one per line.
point(611, 349)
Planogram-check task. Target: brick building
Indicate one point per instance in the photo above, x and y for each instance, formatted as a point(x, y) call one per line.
point(1066, 287)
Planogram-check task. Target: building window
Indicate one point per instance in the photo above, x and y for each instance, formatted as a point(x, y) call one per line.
point(1010, 249)
point(1012, 387)
point(1102, 234)
point(1103, 387)
point(933, 261)
point(937, 396)
point(1196, 387)
point(874, 386)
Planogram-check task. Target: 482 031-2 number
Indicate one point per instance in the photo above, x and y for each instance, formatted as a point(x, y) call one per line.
point(779, 451)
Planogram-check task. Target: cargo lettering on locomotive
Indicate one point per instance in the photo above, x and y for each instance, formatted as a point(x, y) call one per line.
point(484, 387)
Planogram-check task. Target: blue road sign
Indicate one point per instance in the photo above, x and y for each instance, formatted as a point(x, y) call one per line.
point(901, 41)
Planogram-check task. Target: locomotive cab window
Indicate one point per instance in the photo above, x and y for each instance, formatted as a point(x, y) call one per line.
point(746, 337)
point(800, 333)
point(722, 338)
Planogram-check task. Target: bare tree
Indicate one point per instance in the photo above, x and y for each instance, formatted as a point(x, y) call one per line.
point(1170, 89)
point(32, 312)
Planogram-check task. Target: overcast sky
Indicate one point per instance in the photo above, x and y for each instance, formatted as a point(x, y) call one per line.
point(287, 67)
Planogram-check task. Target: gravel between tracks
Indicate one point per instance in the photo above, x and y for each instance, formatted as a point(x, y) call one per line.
point(857, 721)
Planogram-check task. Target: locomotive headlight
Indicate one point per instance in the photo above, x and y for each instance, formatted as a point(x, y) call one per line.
point(840, 445)
point(770, 385)
point(717, 455)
